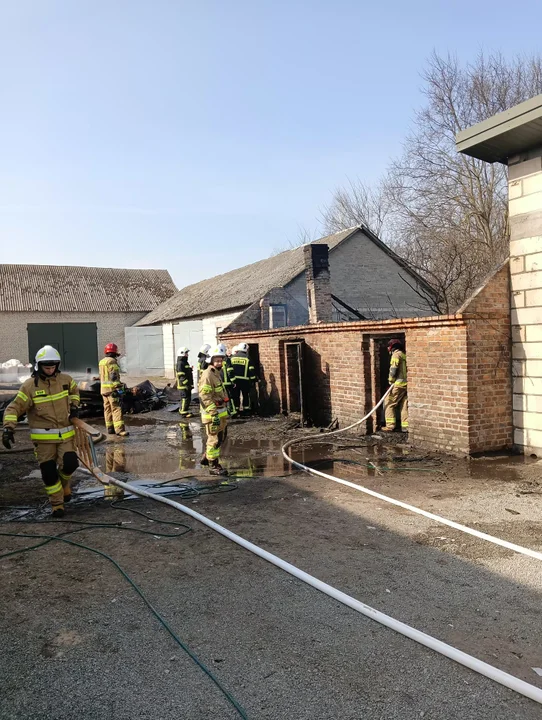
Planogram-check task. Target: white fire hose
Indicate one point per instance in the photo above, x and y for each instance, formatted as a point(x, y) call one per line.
point(479, 666)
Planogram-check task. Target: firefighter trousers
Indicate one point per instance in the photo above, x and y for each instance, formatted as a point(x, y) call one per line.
point(216, 437)
point(232, 408)
point(113, 414)
point(244, 388)
point(396, 401)
point(186, 398)
point(58, 461)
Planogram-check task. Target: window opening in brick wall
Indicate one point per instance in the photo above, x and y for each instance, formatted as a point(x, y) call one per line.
point(278, 316)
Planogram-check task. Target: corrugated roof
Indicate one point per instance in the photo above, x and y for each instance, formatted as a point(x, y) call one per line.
point(242, 287)
point(504, 134)
point(237, 288)
point(55, 288)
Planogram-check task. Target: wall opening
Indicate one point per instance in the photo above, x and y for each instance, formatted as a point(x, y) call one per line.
point(377, 357)
point(293, 352)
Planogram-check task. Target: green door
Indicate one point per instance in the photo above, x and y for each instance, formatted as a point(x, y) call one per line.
point(77, 344)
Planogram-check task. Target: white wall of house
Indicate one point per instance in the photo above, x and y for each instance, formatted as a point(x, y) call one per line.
point(213, 325)
point(192, 334)
point(14, 336)
point(369, 280)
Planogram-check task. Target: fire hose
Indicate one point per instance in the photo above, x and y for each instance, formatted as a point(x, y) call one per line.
point(88, 457)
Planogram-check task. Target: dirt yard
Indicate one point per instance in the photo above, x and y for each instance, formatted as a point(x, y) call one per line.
point(78, 640)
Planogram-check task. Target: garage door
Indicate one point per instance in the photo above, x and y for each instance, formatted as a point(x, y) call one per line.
point(77, 344)
point(144, 350)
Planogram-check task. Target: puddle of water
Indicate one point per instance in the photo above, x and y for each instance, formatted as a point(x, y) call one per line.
point(503, 468)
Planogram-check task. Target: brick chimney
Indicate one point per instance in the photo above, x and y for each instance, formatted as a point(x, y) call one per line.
point(318, 283)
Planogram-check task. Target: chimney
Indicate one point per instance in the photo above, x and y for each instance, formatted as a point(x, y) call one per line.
point(318, 283)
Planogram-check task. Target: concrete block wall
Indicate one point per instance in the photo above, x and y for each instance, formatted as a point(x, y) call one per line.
point(14, 335)
point(525, 210)
point(368, 279)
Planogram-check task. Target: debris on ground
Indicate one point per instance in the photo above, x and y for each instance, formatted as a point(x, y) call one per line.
point(141, 398)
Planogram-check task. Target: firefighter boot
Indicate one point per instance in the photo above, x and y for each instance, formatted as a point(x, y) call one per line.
point(217, 469)
point(204, 460)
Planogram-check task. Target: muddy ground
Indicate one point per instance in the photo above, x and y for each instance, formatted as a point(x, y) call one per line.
point(78, 640)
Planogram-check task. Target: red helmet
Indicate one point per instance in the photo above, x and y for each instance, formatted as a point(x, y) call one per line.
point(111, 348)
point(394, 343)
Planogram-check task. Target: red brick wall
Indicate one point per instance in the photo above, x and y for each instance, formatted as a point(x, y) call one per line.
point(459, 375)
point(490, 364)
point(438, 401)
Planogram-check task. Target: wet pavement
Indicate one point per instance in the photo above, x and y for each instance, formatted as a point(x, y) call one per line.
point(164, 454)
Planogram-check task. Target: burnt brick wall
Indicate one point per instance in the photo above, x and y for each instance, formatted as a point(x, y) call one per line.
point(459, 375)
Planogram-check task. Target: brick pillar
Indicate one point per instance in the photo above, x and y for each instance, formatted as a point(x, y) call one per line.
point(525, 207)
point(318, 283)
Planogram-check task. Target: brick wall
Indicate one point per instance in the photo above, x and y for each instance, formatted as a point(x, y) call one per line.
point(459, 374)
point(14, 336)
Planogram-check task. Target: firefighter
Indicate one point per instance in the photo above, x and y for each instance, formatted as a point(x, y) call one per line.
point(397, 400)
point(112, 390)
point(202, 359)
point(50, 400)
point(185, 381)
point(228, 379)
point(243, 377)
point(214, 412)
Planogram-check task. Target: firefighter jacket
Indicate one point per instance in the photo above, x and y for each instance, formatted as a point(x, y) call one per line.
point(243, 369)
point(109, 375)
point(398, 369)
point(47, 405)
point(202, 363)
point(185, 375)
point(227, 372)
point(212, 395)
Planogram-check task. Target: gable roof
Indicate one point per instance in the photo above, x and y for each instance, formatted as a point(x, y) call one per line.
point(237, 288)
point(56, 288)
point(240, 288)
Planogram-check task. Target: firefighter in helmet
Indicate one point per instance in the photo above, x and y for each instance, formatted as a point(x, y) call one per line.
point(228, 379)
point(185, 381)
point(50, 399)
point(214, 412)
point(112, 390)
point(243, 377)
point(202, 358)
point(397, 400)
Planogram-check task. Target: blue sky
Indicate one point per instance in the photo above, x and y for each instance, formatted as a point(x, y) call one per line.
point(200, 136)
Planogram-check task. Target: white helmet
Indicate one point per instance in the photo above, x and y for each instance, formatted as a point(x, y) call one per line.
point(222, 347)
point(242, 347)
point(216, 352)
point(47, 354)
point(204, 349)
point(182, 351)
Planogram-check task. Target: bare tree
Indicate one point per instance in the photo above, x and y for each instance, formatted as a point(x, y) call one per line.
point(304, 236)
point(443, 212)
point(356, 204)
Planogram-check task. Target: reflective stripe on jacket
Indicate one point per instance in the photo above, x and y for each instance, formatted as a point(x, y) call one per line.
point(47, 405)
point(242, 369)
point(228, 376)
point(398, 369)
point(185, 375)
point(212, 395)
point(109, 375)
